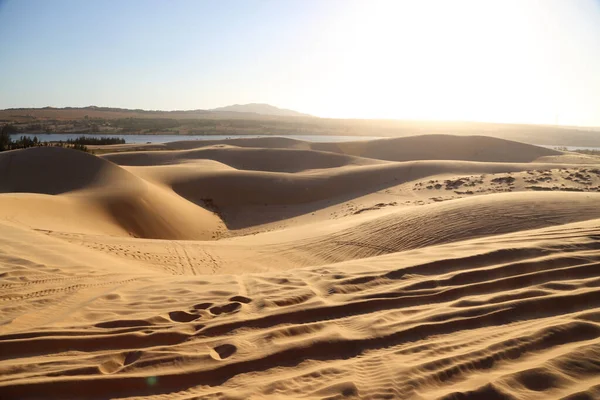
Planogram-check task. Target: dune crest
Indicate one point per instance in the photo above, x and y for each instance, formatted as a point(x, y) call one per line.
point(409, 148)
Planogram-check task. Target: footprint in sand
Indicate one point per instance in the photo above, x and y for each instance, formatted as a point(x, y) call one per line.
point(223, 351)
point(241, 299)
point(202, 306)
point(182, 316)
point(226, 309)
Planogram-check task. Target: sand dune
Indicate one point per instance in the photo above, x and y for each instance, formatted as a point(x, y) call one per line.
point(257, 159)
point(410, 148)
point(262, 142)
point(147, 212)
point(421, 147)
point(414, 268)
point(98, 197)
point(236, 194)
point(54, 170)
point(441, 147)
point(445, 222)
point(506, 319)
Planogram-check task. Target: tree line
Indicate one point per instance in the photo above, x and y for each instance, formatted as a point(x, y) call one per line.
point(95, 140)
point(24, 142)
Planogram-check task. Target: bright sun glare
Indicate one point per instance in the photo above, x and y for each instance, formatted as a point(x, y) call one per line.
point(520, 61)
point(462, 59)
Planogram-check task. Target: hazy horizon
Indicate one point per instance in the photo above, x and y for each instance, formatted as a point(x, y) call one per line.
point(531, 62)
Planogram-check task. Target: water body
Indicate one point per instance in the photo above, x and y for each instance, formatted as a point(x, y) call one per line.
point(570, 148)
point(55, 137)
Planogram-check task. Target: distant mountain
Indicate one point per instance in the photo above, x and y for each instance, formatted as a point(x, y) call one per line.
point(262, 109)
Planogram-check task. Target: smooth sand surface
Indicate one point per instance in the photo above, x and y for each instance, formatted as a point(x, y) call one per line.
point(426, 267)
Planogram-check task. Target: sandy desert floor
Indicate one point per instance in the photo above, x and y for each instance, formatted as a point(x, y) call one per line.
point(428, 267)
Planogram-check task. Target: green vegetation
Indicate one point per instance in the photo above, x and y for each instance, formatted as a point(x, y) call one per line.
point(90, 140)
point(7, 143)
point(5, 140)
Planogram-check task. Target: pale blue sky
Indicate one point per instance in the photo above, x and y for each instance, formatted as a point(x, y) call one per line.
point(534, 61)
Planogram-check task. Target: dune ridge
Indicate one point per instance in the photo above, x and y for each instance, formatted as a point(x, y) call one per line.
point(259, 159)
point(427, 267)
point(408, 148)
point(97, 197)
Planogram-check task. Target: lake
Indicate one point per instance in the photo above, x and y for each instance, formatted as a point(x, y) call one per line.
point(569, 148)
point(55, 137)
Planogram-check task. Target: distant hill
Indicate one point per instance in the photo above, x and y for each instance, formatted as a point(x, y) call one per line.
point(262, 109)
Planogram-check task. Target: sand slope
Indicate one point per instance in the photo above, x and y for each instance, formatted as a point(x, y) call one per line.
point(511, 317)
point(274, 160)
point(421, 147)
point(274, 269)
point(53, 170)
point(246, 197)
point(439, 223)
point(441, 147)
point(98, 197)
